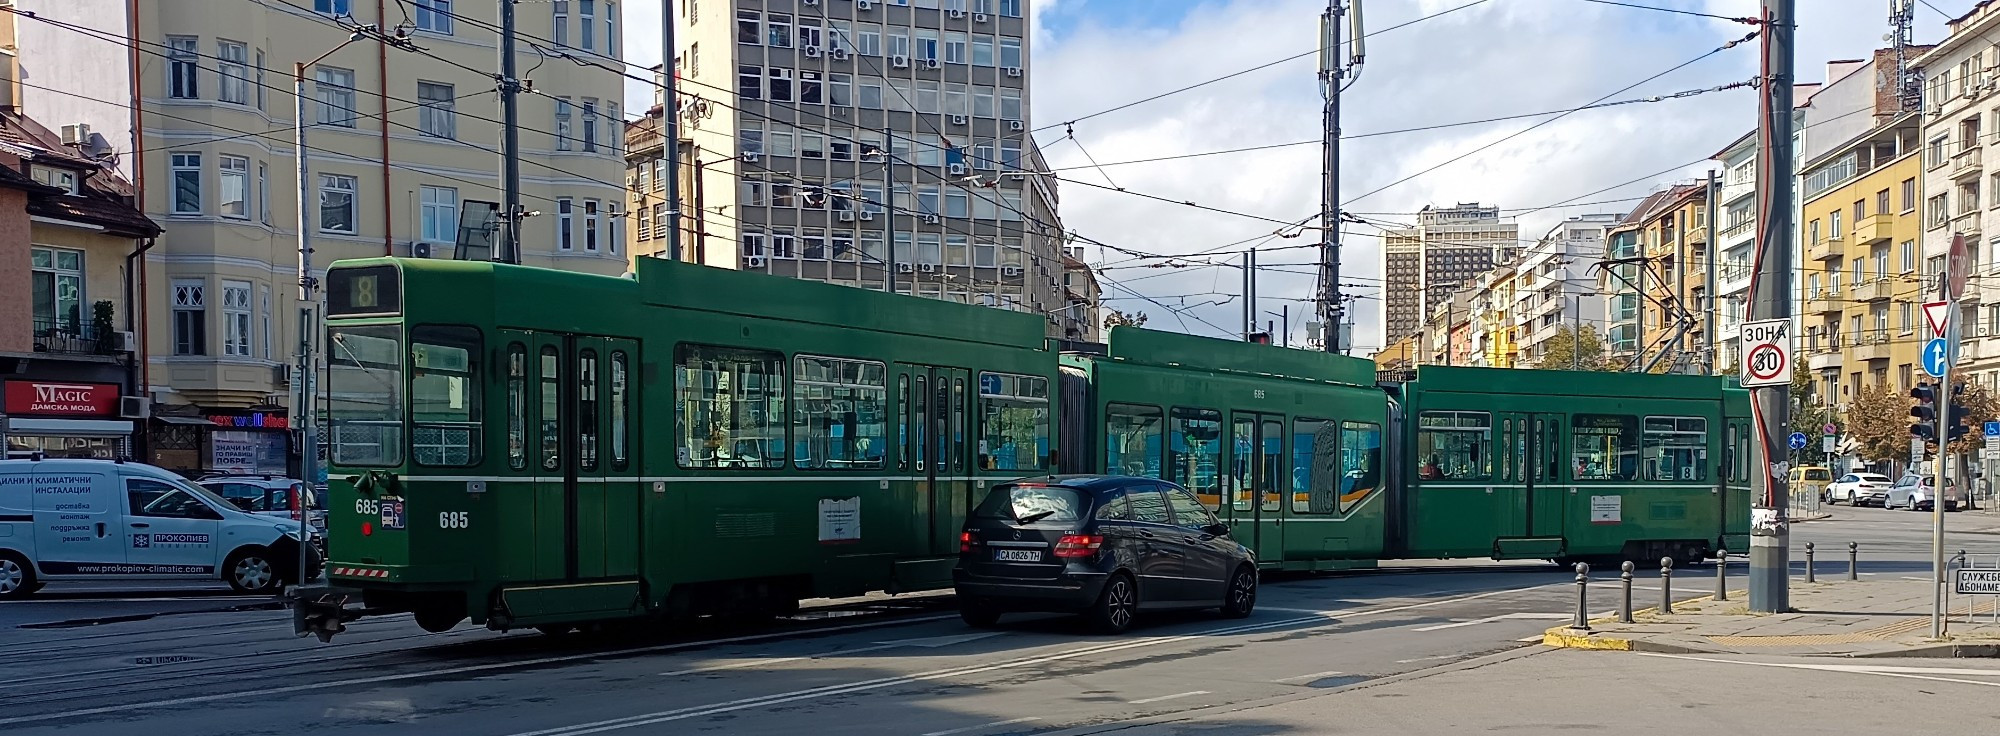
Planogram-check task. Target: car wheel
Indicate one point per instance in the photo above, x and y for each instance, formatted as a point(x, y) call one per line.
point(1241, 597)
point(1116, 606)
point(978, 616)
point(17, 577)
point(250, 570)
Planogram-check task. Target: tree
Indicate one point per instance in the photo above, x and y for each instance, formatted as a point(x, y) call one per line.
point(1810, 415)
point(1880, 420)
point(1567, 346)
point(1119, 317)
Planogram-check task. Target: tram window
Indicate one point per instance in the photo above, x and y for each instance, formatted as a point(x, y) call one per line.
point(1194, 453)
point(1508, 440)
point(902, 423)
point(365, 395)
point(551, 417)
point(1676, 448)
point(1242, 440)
point(1013, 422)
point(1360, 462)
point(840, 413)
point(586, 410)
point(1604, 447)
point(920, 421)
point(1132, 435)
point(1455, 445)
point(958, 425)
point(517, 406)
point(1315, 466)
point(732, 407)
point(621, 412)
point(444, 395)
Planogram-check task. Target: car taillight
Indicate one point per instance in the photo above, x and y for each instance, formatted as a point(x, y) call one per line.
point(1078, 545)
point(965, 541)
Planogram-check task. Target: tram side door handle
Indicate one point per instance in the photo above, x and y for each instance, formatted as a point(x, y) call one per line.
point(140, 525)
point(100, 530)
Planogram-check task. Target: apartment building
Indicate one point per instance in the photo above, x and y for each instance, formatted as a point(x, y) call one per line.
point(1080, 318)
point(401, 161)
point(1961, 179)
point(1638, 277)
point(1447, 248)
point(873, 144)
point(1447, 337)
point(1735, 243)
point(1493, 317)
point(69, 232)
point(1553, 286)
point(1676, 241)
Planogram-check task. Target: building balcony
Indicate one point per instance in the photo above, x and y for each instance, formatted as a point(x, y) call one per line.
point(1871, 345)
point(1876, 228)
point(1879, 290)
point(1825, 302)
point(64, 337)
point(1822, 359)
point(1697, 234)
point(1966, 222)
point(1966, 164)
point(1826, 250)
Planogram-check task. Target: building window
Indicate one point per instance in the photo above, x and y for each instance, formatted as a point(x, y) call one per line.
point(869, 41)
point(645, 223)
point(590, 124)
point(440, 110)
point(235, 182)
point(954, 47)
point(264, 317)
point(560, 35)
point(781, 84)
point(187, 183)
point(336, 96)
point(586, 28)
point(63, 179)
point(229, 65)
point(263, 193)
point(190, 318)
point(778, 31)
point(749, 27)
point(434, 16)
point(236, 318)
point(1010, 104)
point(565, 229)
point(336, 203)
point(660, 222)
point(58, 289)
point(1010, 8)
point(183, 53)
point(590, 224)
point(563, 136)
point(333, 7)
point(260, 79)
point(610, 29)
point(440, 215)
point(1909, 255)
point(1010, 53)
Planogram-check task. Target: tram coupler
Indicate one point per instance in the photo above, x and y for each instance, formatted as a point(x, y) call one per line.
point(322, 610)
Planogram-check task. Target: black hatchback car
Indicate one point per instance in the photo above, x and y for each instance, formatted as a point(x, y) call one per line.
point(1106, 547)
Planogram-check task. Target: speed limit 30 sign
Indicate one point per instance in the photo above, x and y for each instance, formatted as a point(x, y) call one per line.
point(1767, 353)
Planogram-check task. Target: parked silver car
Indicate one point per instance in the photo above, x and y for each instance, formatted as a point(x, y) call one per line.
point(1918, 493)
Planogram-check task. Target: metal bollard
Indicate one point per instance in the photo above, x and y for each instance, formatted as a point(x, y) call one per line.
point(1666, 585)
point(1809, 567)
point(1625, 602)
point(1853, 553)
point(1722, 574)
point(1582, 622)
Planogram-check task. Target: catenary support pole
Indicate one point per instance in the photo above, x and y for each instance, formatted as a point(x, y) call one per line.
point(305, 420)
point(1771, 298)
point(670, 126)
point(509, 250)
point(1710, 338)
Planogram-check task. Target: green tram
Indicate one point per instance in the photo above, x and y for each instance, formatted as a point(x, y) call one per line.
point(534, 448)
point(529, 447)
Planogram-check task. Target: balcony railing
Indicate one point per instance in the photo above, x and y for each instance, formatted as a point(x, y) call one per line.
point(1824, 250)
point(67, 337)
point(1875, 291)
point(1966, 159)
point(1741, 228)
point(1871, 345)
point(1874, 228)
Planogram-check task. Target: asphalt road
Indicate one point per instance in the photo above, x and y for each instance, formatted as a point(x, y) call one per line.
point(104, 666)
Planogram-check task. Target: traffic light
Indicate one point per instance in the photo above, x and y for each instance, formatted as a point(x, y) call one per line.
point(1925, 412)
point(1958, 414)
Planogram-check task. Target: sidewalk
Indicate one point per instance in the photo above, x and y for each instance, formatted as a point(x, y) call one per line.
point(1877, 616)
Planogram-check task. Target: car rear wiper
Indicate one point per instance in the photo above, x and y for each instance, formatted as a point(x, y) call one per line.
point(1032, 518)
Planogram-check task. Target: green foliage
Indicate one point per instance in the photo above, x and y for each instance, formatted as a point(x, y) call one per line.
point(1570, 350)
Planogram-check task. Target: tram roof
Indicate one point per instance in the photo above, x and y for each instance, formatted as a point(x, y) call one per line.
point(1153, 347)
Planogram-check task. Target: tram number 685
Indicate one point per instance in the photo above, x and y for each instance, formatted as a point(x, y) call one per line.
point(454, 519)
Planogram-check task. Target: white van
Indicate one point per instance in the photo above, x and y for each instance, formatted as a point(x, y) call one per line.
point(103, 519)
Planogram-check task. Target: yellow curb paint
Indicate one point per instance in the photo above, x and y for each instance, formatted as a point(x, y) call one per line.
point(1563, 637)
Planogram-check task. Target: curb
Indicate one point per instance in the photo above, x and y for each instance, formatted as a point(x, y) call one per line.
point(1565, 637)
point(1938, 651)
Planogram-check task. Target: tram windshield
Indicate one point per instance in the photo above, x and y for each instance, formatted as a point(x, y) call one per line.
point(364, 395)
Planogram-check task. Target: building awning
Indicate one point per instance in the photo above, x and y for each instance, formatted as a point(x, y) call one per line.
point(70, 427)
point(183, 420)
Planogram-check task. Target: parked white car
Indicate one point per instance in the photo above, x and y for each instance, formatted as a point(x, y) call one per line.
point(1859, 489)
point(101, 519)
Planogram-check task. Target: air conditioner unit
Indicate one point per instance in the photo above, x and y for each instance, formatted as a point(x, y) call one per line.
point(979, 17)
point(958, 120)
point(134, 407)
point(905, 268)
point(932, 220)
point(864, 4)
point(928, 268)
point(867, 216)
point(839, 54)
point(751, 157)
point(76, 134)
point(1935, 109)
point(420, 249)
point(753, 261)
point(1013, 71)
point(899, 61)
point(958, 14)
point(812, 52)
point(1010, 270)
point(847, 215)
point(1016, 125)
point(956, 169)
point(931, 64)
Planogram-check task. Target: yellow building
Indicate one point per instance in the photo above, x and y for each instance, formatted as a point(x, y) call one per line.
point(1493, 306)
point(1861, 272)
point(1676, 239)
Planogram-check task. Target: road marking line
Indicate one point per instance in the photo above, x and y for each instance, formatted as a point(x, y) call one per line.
point(1313, 676)
point(1188, 694)
point(648, 719)
point(458, 670)
point(1502, 617)
point(983, 726)
point(1852, 669)
point(933, 642)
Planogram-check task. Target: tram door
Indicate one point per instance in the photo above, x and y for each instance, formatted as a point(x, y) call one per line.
point(1547, 497)
point(585, 521)
point(935, 412)
point(1257, 463)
